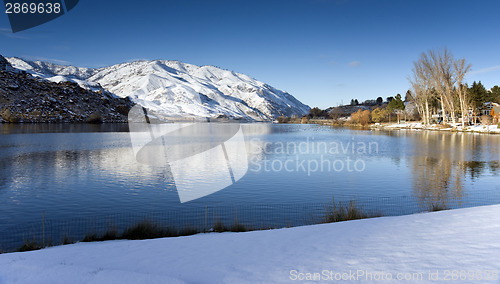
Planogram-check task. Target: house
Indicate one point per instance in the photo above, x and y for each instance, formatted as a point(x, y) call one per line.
point(487, 107)
point(495, 112)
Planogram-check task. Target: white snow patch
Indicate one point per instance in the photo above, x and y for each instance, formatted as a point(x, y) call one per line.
point(418, 125)
point(456, 240)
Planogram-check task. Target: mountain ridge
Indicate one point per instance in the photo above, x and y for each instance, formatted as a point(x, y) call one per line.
point(173, 88)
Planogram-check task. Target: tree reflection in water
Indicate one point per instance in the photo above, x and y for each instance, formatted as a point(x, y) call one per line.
point(444, 162)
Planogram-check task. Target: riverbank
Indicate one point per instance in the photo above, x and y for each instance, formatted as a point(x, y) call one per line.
point(490, 129)
point(487, 129)
point(420, 248)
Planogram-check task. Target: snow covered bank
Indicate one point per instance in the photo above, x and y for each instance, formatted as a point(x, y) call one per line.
point(447, 245)
point(458, 127)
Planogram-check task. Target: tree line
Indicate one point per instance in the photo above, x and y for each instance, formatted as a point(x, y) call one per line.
point(438, 93)
point(365, 112)
point(438, 86)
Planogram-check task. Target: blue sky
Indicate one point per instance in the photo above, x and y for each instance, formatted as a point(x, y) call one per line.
point(324, 52)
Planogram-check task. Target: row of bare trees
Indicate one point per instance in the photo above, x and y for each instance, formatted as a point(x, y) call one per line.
point(437, 75)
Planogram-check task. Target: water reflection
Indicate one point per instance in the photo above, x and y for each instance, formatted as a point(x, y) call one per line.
point(80, 174)
point(437, 182)
point(443, 163)
point(7, 128)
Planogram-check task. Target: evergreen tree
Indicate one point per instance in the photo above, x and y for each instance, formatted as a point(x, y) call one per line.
point(408, 96)
point(495, 93)
point(396, 105)
point(478, 94)
point(380, 100)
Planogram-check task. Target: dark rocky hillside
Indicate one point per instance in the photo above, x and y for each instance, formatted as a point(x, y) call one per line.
point(24, 98)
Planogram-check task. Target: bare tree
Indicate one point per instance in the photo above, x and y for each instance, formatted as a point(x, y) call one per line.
point(440, 67)
point(430, 63)
point(437, 70)
point(447, 75)
point(422, 90)
point(461, 68)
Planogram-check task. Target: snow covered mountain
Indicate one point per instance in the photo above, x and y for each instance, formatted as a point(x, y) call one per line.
point(176, 89)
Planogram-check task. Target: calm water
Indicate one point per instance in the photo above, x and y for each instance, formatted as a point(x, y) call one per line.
point(66, 174)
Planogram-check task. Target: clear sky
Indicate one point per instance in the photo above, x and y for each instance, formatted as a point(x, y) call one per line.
point(323, 52)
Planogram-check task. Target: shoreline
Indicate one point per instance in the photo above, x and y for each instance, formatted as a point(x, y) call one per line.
point(418, 126)
point(415, 125)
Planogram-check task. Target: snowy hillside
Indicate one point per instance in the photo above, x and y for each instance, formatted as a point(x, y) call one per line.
point(441, 247)
point(173, 88)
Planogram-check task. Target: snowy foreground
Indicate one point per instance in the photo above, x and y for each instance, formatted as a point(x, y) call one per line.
point(423, 248)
